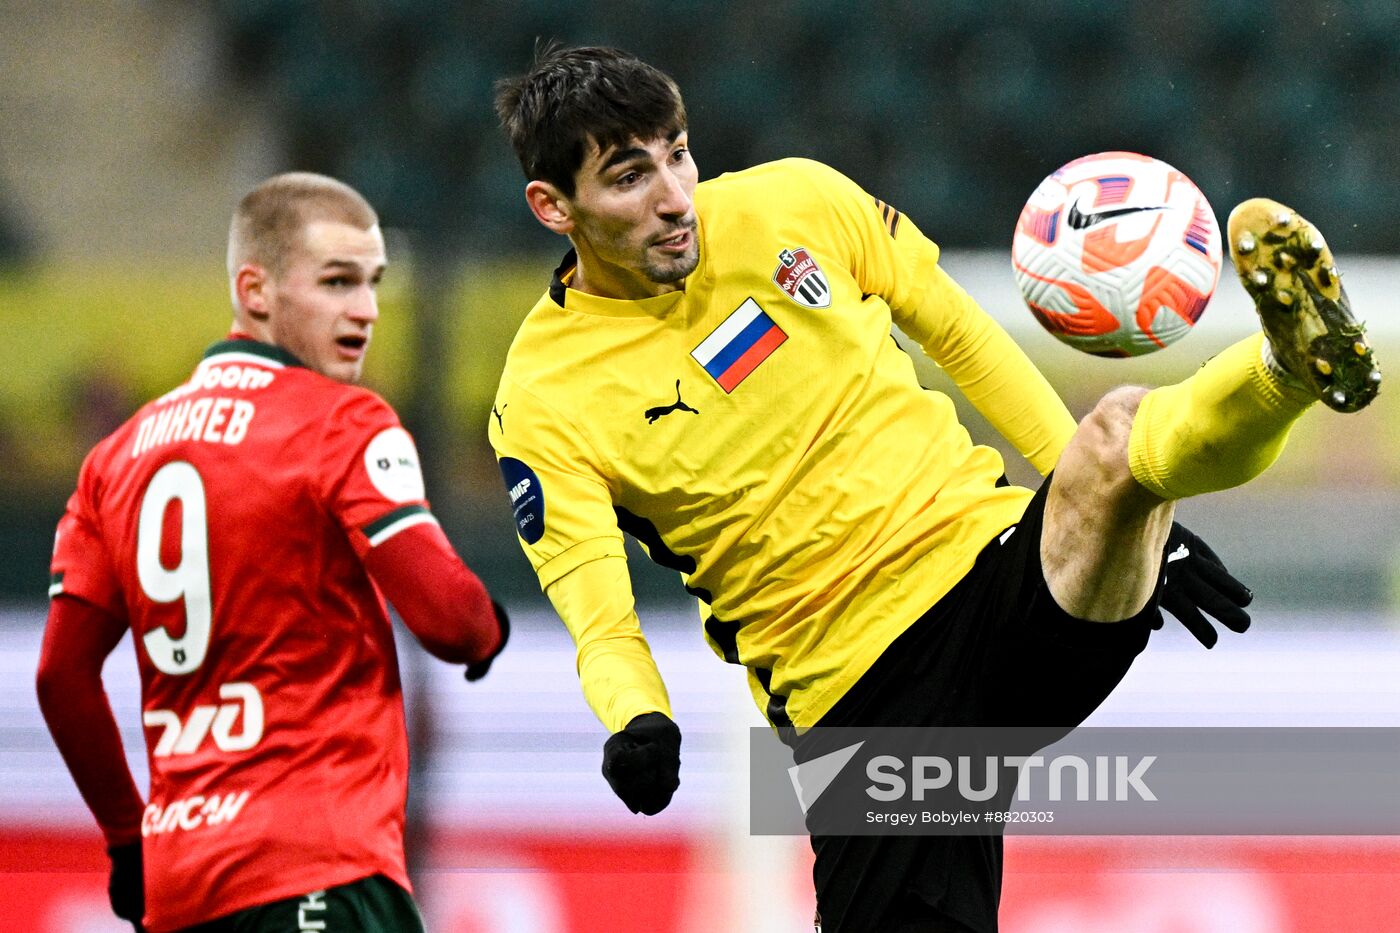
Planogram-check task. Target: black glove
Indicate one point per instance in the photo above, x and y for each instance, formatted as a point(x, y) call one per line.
point(125, 887)
point(1197, 581)
point(478, 670)
point(643, 763)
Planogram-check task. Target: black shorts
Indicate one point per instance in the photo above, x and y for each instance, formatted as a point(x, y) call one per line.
point(370, 905)
point(995, 651)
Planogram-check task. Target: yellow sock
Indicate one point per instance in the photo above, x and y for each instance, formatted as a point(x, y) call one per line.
point(1220, 428)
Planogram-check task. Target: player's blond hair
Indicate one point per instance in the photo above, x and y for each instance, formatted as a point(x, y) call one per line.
point(268, 221)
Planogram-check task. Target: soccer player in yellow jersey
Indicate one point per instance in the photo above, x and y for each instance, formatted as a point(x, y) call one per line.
point(711, 371)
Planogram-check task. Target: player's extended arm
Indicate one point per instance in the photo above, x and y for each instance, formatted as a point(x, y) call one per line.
point(77, 640)
point(615, 668)
point(641, 760)
point(444, 604)
point(890, 257)
point(990, 369)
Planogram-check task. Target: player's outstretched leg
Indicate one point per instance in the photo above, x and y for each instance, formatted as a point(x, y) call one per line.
point(1288, 270)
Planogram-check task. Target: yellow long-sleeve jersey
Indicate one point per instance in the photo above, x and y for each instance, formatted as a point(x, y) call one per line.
point(761, 433)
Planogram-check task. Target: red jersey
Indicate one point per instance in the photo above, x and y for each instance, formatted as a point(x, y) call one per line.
point(227, 521)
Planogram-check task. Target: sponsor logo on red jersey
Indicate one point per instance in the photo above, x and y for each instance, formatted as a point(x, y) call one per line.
point(192, 813)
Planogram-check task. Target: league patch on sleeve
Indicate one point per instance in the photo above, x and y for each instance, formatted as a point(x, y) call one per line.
point(526, 498)
point(391, 461)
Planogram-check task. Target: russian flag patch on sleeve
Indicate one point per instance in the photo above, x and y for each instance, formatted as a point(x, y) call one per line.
point(735, 348)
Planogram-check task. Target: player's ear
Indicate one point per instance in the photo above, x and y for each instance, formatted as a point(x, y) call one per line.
point(550, 206)
point(250, 285)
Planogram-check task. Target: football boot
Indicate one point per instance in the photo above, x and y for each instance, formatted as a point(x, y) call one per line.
point(1288, 270)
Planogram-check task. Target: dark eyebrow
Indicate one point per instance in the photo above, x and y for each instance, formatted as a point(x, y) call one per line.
point(620, 156)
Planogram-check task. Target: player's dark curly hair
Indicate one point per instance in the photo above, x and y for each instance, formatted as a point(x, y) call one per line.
point(572, 97)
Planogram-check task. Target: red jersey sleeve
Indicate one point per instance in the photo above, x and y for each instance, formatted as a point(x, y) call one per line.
point(81, 566)
point(77, 640)
point(370, 474)
point(374, 487)
point(441, 601)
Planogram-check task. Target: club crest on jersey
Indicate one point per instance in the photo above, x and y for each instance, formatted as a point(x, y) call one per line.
point(802, 279)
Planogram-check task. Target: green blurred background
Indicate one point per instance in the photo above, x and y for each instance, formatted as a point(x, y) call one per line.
point(131, 129)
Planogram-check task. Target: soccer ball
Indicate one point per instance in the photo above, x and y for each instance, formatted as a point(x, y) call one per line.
point(1117, 254)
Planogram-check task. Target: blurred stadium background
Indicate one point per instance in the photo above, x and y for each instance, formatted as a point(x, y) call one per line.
point(131, 128)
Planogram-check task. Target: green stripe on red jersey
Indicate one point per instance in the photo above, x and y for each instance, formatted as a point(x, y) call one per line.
point(385, 527)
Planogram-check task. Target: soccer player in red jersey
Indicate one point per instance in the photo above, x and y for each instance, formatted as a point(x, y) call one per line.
point(243, 526)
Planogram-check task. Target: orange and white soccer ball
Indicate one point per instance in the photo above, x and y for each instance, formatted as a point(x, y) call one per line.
point(1117, 254)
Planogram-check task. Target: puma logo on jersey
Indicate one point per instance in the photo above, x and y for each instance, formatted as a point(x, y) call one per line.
point(500, 415)
point(1181, 553)
point(653, 414)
